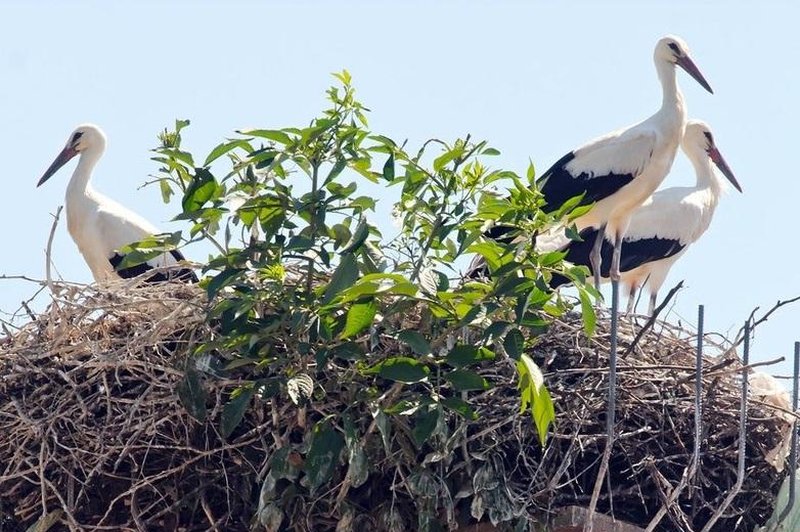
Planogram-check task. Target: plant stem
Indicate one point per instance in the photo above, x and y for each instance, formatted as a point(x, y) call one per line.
point(213, 240)
point(426, 248)
point(314, 199)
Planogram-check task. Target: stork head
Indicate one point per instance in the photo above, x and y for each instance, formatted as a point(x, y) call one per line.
point(698, 142)
point(674, 50)
point(85, 138)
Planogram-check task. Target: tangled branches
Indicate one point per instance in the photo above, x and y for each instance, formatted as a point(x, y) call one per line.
point(93, 436)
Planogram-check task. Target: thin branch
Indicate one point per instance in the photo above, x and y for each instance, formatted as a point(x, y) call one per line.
point(652, 320)
point(740, 334)
point(49, 248)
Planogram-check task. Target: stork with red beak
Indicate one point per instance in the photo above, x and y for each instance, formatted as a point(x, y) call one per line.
point(619, 171)
point(663, 228)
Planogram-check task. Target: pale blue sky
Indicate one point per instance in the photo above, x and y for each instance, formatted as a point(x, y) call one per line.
point(536, 79)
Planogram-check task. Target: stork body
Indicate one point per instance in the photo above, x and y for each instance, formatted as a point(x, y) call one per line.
point(619, 171)
point(99, 225)
point(668, 222)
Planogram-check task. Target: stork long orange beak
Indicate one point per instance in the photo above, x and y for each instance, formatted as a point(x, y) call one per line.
point(63, 158)
point(686, 63)
point(716, 157)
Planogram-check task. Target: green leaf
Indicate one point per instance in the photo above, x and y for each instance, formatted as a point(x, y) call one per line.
point(490, 151)
point(385, 428)
point(323, 455)
point(178, 155)
point(348, 351)
point(271, 134)
point(364, 203)
point(495, 330)
point(448, 156)
point(358, 464)
point(552, 258)
point(415, 341)
point(343, 76)
point(338, 167)
point(514, 344)
point(569, 205)
point(234, 410)
point(464, 380)
point(429, 281)
point(180, 124)
point(224, 148)
point(166, 190)
point(359, 236)
point(460, 407)
point(573, 234)
point(426, 422)
point(359, 317)
point(474, 314)
point(514, 285)
point(400, 369)
point(344, 276)
point(587, 312)
point(464, 355)
point(577, 212)
point(137, 257)
point(534, 396)
point(531, 173)
point(192, 394)
point(221, 280)
point(268, 388)
point(202, 188)
point(388, 168)
point(341, 234)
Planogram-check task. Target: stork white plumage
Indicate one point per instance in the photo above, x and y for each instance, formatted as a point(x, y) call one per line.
point(620, 170)
point(99, 225)
point(664, 227)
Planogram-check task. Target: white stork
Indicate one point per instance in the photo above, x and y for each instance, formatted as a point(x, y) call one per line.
point(99, 225)
point(618, 171)
point(663, 228)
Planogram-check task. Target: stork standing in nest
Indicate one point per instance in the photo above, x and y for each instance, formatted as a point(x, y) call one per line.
point(100, 226)
point(663, 228)
point(619, 171)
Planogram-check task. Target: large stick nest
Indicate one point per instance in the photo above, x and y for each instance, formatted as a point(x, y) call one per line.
point(93, 437)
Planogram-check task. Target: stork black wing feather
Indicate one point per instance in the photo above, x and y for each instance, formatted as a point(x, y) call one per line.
point(183, 274)
point(558, 185)
point(634, 253)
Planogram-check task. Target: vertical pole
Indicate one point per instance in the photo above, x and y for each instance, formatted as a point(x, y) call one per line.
point(737, 487)
point(698, 387)
point(793, 452)
point(612, 364)
point(610, 413)
point(743, 412)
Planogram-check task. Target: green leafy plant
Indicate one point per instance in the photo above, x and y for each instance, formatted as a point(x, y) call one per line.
point(302, 277)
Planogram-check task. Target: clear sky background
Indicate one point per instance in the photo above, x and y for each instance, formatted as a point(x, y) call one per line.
point(536, 79)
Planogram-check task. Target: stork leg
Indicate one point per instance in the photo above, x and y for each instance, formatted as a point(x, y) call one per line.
point(595, 259)
point(652, 309)
point(613, 272)
point(612, 364)
point(631, 298)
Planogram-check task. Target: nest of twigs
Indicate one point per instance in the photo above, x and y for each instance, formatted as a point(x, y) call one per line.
point(93, 437)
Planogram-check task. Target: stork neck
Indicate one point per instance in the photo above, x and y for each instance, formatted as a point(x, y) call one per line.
point(672, 97)
point(80, 182)
point(707, 179)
